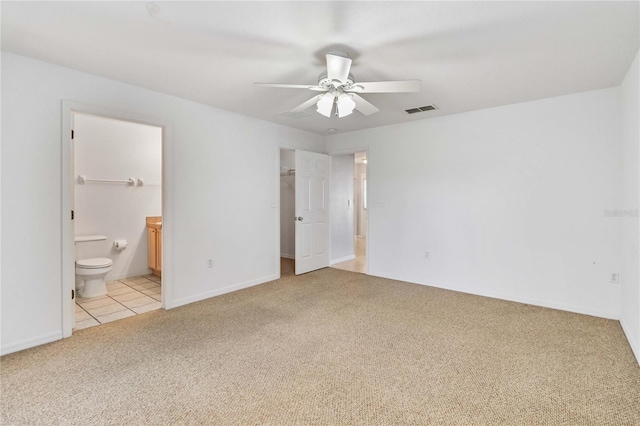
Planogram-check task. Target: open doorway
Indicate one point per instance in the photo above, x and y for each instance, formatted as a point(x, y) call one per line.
point(118, 219)
point(116, 196)
point(287, 212)
point(349, 212)
point(305, 223)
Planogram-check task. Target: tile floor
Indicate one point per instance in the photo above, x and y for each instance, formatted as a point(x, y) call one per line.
point(359, 264)
point(124, 298)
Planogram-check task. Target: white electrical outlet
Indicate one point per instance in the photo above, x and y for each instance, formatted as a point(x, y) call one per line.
point(209, 263)
point(427, 255)
point(380, 203)
point(615, 278)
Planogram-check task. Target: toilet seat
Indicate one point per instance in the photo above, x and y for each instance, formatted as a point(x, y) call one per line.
point(94, 263)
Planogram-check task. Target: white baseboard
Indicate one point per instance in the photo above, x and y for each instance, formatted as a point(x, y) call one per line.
point(288, 256)
point(511, 298)
point(110, 277)
point(342, 259)
point(220, 291)
point(30, 343)
point(635, 346)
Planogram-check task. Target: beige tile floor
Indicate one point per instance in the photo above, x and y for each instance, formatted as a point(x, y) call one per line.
point(124, 298)
point(359, 264)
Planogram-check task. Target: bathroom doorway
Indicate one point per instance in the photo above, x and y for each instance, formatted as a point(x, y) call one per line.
point(113, 257)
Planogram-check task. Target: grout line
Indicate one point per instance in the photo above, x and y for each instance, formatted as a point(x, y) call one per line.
point(127, 308)
point(77, 304)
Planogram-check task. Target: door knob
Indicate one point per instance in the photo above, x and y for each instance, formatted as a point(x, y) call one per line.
point(299, 218)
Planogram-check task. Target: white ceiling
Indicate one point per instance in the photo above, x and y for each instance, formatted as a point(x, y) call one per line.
point(468, 55)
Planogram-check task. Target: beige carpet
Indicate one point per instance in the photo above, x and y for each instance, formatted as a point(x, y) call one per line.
point(331, 347)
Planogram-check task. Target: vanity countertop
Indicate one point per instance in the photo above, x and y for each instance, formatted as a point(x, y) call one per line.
point(154, 222)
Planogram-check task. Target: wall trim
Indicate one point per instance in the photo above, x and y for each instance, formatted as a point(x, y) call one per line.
point(221, 291)
point(635, 346)
point(342, 259)
point(128, 275)
point(30, 343)
point(510, 298)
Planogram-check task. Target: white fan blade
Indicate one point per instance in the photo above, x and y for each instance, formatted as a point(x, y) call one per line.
point(363, 105)
point(290, 86)
point(338, 67)
point(406, 86)
point(308, 104)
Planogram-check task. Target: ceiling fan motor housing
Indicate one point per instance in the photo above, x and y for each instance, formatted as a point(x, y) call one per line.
point(326, 83)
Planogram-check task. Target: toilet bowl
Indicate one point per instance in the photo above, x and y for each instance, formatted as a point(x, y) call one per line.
point(92, 272)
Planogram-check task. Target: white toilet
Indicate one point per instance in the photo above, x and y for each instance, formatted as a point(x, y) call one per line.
point(92, 271)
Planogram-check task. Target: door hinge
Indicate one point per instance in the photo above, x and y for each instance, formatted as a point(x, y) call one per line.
point(72, 134)
point(73, 294)
point(73, 215)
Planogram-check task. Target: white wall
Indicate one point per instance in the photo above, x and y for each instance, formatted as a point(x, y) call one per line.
point(223, 194)
point(509, 201)
point(114, 149)
point(341, 208)
point(361, 212)
point(287, 206)
point(630, 273)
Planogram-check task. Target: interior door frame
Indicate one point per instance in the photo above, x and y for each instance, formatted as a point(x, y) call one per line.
point(347, 151)
point(68, 192)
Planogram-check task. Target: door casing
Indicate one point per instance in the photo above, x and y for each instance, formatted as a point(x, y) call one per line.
point(67, 196)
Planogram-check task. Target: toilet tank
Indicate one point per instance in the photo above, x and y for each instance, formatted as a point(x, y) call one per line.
point(88, 246)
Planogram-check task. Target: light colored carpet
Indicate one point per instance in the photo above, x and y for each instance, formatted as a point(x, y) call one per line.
point(331, 347)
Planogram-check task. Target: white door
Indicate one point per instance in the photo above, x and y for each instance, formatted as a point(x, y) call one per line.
point(312, 211)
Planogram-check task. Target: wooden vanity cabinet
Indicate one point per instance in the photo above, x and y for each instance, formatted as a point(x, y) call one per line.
point(155, 250)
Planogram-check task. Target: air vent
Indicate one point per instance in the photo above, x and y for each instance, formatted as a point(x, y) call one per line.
point(421, 109)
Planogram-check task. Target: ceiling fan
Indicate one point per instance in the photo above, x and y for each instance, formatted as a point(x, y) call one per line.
point(340, 91)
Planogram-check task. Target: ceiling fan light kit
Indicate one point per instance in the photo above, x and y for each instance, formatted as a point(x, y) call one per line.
point(325, 104)
point(346, 105)
point(340, 89)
